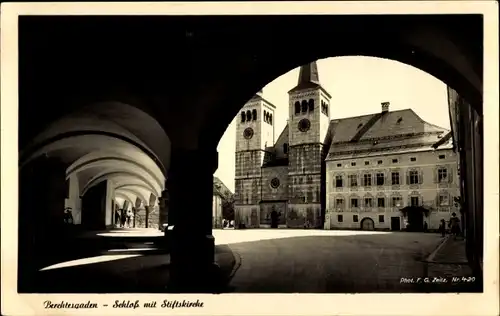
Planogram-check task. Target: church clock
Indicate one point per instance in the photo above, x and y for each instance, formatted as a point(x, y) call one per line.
point(275, 183)
point(248, 133)
point(304, 125)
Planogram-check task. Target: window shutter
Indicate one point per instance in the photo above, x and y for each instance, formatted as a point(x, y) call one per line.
point(374, 179)
point(386, 177)
point(420, 177)
point(436, 200)
point(407, 177)
point(436, 178)
point(450, 175)
point(400, 178)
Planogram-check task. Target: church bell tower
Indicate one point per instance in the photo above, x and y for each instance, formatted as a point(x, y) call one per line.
point(309, 118)
point(254, 134)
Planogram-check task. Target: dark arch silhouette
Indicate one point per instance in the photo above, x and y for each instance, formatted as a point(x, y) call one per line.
point(254, 114)
point(243, 117)
point(249, 115)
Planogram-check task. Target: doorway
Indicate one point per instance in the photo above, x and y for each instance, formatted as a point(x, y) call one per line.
point(274, 219)
point(395, 223)
point(367, 224)
point(415, 221)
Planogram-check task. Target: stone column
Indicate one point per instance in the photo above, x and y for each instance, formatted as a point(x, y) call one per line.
point(190, 187)
point(163, 202)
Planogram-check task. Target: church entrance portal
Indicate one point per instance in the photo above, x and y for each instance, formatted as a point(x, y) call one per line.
point(274, 219)
point(367, 224)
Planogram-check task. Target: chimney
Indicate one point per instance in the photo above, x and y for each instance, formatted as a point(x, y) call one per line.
point(385, 106)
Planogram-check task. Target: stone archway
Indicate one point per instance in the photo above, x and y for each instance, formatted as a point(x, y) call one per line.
point(367, 224)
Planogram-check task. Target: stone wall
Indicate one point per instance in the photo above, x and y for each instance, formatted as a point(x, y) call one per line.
point(273, 189)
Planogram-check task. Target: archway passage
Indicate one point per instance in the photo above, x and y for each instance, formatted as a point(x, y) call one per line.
point(77, 167)
point(367, 224)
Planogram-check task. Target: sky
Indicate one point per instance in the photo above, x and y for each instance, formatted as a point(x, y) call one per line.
point(358, 85)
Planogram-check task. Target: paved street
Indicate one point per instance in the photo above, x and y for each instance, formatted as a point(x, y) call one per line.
point(290, 261)
point(277, 261)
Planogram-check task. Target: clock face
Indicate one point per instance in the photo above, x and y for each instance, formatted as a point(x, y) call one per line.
point(304, 125)
point(275, 183)
point(248, 133)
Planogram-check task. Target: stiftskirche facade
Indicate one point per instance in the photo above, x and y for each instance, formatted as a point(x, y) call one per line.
point(352, 173)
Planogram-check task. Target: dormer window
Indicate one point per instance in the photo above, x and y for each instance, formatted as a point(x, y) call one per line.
point(399, 120)
point(360, 124)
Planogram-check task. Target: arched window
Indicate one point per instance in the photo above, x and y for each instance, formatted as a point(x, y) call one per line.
point(285, 148)
point(297, 107)
point(254, 114)
point(265, 116)
point(311, 105)
point(243, 116)
point(271, 119)
point(304, 106)
point(249, 115)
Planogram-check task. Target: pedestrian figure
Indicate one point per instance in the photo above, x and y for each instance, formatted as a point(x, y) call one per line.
point(68, 216)
point(123, 218)
point(425, 227)
point(455, 225)
point(442, 227)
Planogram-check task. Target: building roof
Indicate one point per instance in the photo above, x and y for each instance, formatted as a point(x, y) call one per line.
point(383, 133)
point(219, 188)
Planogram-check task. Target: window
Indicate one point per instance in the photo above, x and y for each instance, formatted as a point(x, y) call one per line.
point(381, 218)
point(353, 164)
point(271, 119)
point(338, 182)
point(355, 218)
point(381, 202)
point(304, 106)
point(367, 180)
point(285, 148)
point(243, 117)
point(367, 163)
point(379, 162)
point(353, 180)
point(442, 156)
point(254, 114)
point(339, 165)
point(394, 161)
point(249, 115)
point(380, 178)
point(414, 201)
point(368, 202)
point(444, 200)
point(354, 202)
point(297, 107)
point(311, 105)
point(396, 201)
point(339, 203)
point(442, 175)
point(395, 178)
point(414, 177)
point(340, 218)
point(413, 159)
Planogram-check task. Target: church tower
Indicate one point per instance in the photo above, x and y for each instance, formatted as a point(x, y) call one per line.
point(309, 118)
point(254, 135)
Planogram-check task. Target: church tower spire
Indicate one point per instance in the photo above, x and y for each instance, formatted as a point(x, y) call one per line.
point(308, 74)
